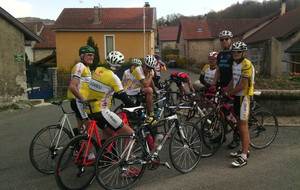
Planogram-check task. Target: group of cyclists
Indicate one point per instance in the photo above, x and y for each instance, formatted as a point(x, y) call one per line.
point(228, 69)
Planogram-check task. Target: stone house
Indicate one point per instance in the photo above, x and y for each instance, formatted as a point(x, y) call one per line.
point(12, 58)
point(167, 37)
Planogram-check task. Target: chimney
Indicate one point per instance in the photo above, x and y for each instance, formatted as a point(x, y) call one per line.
point(96, 15)
point(283, 7)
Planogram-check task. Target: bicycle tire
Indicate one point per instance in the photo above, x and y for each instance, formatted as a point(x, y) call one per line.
point(42, 152)
point(111, 166)
point(185, 147)
point(71, 174)
point(211, 127)
point(263, 128)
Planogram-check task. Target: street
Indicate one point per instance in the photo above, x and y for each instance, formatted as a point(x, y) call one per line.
point(276, 167)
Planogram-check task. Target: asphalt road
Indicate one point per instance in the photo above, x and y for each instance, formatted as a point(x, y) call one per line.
point(276, 167)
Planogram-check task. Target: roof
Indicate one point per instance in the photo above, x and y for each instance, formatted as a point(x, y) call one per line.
point(168, 33)
point(108, 19)
point(282, 27)
point(295, 48)
point(34, 26)
point(46, 60)
point(195, 29)
point(28, 34)
point(48, 37)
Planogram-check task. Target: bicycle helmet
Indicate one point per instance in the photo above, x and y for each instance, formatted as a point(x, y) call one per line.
point(115, 59)
point(150, 61)
point(225, 33)
point(239, 46)
point(213, 54)
point(136, 62)
point(86, 49)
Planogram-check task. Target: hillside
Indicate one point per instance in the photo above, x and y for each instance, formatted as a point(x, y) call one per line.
point(35, 19)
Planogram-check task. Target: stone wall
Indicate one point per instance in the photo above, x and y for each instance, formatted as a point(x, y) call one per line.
point(12, 72)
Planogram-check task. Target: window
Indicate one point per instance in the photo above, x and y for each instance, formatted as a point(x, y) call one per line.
point(199, 29)
point(109, 41)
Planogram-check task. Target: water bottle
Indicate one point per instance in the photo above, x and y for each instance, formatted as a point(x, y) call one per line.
point(157, 113)
point(150, 141)
point(158, 139)
point(230, 117)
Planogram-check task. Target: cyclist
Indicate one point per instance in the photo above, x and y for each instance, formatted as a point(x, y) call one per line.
point(223, 73)
point(139, 79)
point(241, 88)
point(78, 87)
point(207, 73)
point(157, 69)
point(180, 78)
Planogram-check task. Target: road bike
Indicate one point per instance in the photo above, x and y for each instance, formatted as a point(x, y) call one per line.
point(262, 125)
point(123, 159)
point(49, 142)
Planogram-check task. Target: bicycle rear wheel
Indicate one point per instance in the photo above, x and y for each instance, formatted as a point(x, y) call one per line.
point(45, 147)
point(185, 147)
point(119, 160)
point(212, 132)
point(71, 171)
point(263, 128)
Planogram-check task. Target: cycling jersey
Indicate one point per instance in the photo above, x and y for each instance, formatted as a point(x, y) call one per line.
point(243, 69)
point(224, 62)
point(132, 80)
point(208, 74)
point(83, 74)
point(102, 86)
point(178, 77)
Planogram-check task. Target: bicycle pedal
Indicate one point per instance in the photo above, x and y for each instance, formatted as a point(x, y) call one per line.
point(166, 164)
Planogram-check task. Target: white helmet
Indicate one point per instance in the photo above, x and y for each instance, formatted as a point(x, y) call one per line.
point(225, 33)
point(115, 59)
point(213, 54)
point(239, 46)
point(150, 61)
point(136, 62)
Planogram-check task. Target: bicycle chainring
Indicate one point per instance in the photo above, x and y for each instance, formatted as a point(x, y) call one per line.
point(154, 164)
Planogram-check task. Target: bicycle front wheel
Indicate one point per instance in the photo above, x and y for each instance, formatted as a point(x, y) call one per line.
point(119, 162)
point(185, 147)
point(263, 128)
point(46, 146)
point(212, 132)
point(74, 170)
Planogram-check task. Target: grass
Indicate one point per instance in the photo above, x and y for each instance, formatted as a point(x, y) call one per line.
point(21, 104)
point(276, 83)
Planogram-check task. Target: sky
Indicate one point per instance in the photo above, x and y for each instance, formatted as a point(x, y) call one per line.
point(50, 9)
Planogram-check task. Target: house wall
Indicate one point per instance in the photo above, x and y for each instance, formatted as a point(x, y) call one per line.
point(199, 50)
point(42, 53)
point(287, 67)
point(12, 73)
point(171, 44)
point(131, 44)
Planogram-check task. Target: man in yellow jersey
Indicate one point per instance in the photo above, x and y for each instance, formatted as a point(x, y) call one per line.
point(139, 79)
point(241, 88)
point(78, 88)
point(207, 73)
point(103, 85)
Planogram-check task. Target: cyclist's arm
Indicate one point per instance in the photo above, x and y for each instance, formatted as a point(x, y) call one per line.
point(239, 87)
point(73, 88)
point(216, 77)
point(148, 80)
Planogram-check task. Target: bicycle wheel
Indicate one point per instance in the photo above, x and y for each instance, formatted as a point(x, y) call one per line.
point(185, 147)
point(263, 128)
point(71, 171)
point(45, 147)
point(212, 132)
point(119, 162)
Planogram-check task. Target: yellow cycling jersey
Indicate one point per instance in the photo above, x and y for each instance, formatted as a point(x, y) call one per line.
point(244, 69)
point(208, 74)
point(102, 86)
point(132, 80)
point(83, 74)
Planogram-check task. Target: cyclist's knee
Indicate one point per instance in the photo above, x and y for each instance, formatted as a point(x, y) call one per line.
point(148, 90)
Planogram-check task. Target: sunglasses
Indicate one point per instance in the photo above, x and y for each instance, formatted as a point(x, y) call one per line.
point(90, 54)
point(224, 39)
point(237, 52)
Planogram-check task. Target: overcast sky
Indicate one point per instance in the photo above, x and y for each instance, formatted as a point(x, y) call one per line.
point(50, 9)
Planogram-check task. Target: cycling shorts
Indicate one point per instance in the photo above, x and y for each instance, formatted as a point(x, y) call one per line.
point(133, 91)
point(78, 109)
point(107, 118)
point(241, 107)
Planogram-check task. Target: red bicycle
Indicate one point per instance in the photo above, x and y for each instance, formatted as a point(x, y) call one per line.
point(75, 166)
